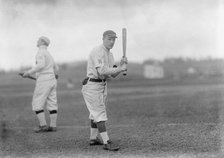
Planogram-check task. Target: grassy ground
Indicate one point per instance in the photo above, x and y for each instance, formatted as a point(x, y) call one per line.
point(177, 121)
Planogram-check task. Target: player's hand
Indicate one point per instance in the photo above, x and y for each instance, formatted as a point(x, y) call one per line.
point(26, 74)
point(123, 67)
point(124, 60)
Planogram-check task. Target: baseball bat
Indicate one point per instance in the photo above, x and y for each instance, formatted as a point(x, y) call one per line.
point(124, 43)
point(30, 77)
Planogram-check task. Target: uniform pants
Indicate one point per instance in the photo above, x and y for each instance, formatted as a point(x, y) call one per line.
point(95, 94)
point(45, 94)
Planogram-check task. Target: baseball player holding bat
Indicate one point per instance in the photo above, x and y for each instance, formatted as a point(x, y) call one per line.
point(100, 67)
point(45, 89)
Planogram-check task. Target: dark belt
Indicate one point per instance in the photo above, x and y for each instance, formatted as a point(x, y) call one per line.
point(97, 80)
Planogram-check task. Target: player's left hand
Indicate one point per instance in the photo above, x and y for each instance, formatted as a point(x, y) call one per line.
point(123, 67)
point(124, 60)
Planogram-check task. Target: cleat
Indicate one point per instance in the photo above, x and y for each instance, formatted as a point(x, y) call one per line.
point(41, 129)
point(110, 146)
point(96, 141)
point(52, 129)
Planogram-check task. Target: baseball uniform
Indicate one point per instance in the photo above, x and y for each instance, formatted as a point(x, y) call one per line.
point(46, 84)
point(100, 67)
point(95, 93)
point(45, 89)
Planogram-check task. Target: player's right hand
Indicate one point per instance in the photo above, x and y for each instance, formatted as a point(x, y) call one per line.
point(22, 75)
point(26, 74)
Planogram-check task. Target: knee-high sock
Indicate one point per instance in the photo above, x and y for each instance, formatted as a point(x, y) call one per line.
point(41, 117)
point(102, 130)
point(53, 118)
point(93, 133)
point(105, 137)
point(93, 130)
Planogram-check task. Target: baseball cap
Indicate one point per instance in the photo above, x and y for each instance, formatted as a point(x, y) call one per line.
point(110, 33)
point(45, 39)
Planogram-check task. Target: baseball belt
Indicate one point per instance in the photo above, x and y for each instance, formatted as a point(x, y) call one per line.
point(92, 80)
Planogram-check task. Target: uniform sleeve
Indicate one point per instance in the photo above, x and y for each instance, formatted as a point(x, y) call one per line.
point(56, 68)
point(100, 65)
point(97, 59)
point(40, 63)
point(104, 69)
point(112, 62)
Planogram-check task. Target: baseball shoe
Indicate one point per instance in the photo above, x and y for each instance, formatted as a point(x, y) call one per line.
point(96, 141)
point(52, 129)
point(41, 129)
point(110, 146)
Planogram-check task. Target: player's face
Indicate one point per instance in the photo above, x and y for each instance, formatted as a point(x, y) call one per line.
point(39, 43)
point(108, 42)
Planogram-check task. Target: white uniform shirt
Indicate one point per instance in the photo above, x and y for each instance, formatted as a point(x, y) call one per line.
point(45, 66)
point(100, 58)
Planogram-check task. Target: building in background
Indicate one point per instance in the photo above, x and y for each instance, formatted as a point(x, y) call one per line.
point(191, 71)
point(153, 70)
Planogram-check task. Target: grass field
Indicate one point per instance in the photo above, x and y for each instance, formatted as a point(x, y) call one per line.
point(162, 120)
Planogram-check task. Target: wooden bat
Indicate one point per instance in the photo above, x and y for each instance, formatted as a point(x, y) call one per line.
point(30, 77)
point(33, 78)
point(124, 43)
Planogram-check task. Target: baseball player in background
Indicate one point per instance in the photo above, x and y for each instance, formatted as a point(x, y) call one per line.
point(100, 67)
point(45, 90)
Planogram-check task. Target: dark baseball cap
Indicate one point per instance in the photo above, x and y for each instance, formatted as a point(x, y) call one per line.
point(45, 39)
point(110, 34)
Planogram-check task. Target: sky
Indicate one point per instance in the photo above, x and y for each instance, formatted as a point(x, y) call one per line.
point(156, 29)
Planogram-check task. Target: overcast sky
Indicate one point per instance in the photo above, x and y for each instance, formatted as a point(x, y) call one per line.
point(155, 28)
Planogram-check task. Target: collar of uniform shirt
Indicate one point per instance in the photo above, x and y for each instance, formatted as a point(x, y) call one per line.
point(43, 47)
point(105, 48)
